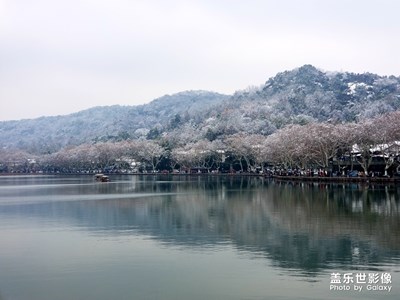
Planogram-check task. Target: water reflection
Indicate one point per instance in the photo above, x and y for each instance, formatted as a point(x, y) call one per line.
point(309, 227)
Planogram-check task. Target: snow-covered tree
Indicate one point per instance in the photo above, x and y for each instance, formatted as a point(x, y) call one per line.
point(321, 142)
point(387, 137)
point(150, 152)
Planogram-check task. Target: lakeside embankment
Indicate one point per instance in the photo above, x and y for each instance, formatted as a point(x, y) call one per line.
point(380, 180)
point(340, 179)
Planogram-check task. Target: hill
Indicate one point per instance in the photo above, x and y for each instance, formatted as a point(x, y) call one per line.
point(49, 134)
point(299, 96)
point(308, 94)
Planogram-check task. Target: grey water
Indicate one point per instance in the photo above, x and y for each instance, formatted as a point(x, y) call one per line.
point(199, 237)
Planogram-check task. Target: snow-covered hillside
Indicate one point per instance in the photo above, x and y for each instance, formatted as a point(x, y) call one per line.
point(299, 96)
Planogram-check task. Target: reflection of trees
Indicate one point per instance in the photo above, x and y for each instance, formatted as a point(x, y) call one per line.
point(310, 225)
point(302, 225)
point(365, 212)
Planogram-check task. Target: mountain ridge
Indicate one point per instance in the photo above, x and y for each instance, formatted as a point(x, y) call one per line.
point(299, 96)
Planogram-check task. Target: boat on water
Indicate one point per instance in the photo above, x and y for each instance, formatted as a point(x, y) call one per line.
point(101, 178)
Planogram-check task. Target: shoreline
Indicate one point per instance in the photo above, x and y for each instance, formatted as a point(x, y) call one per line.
point(339, 179)
point(382, 180)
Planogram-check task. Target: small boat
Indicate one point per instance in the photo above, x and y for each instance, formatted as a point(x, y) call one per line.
point(101, 178)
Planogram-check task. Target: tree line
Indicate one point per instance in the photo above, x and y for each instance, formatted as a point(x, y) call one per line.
point(309, 146)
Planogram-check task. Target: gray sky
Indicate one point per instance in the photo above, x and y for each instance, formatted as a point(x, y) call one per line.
point(62, 56)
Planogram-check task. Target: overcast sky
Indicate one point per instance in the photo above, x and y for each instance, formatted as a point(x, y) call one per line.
point(62, 56)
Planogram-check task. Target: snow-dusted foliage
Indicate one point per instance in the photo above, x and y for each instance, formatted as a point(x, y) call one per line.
point(301, 96)
point(304, 117)
point(313, 145)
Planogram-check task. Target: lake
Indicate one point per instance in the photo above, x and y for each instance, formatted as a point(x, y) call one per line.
point(197, 237)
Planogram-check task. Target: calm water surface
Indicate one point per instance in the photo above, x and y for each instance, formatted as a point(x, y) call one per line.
point(193, 238)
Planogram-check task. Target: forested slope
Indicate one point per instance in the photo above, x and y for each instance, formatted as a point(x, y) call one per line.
point(300, 96)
